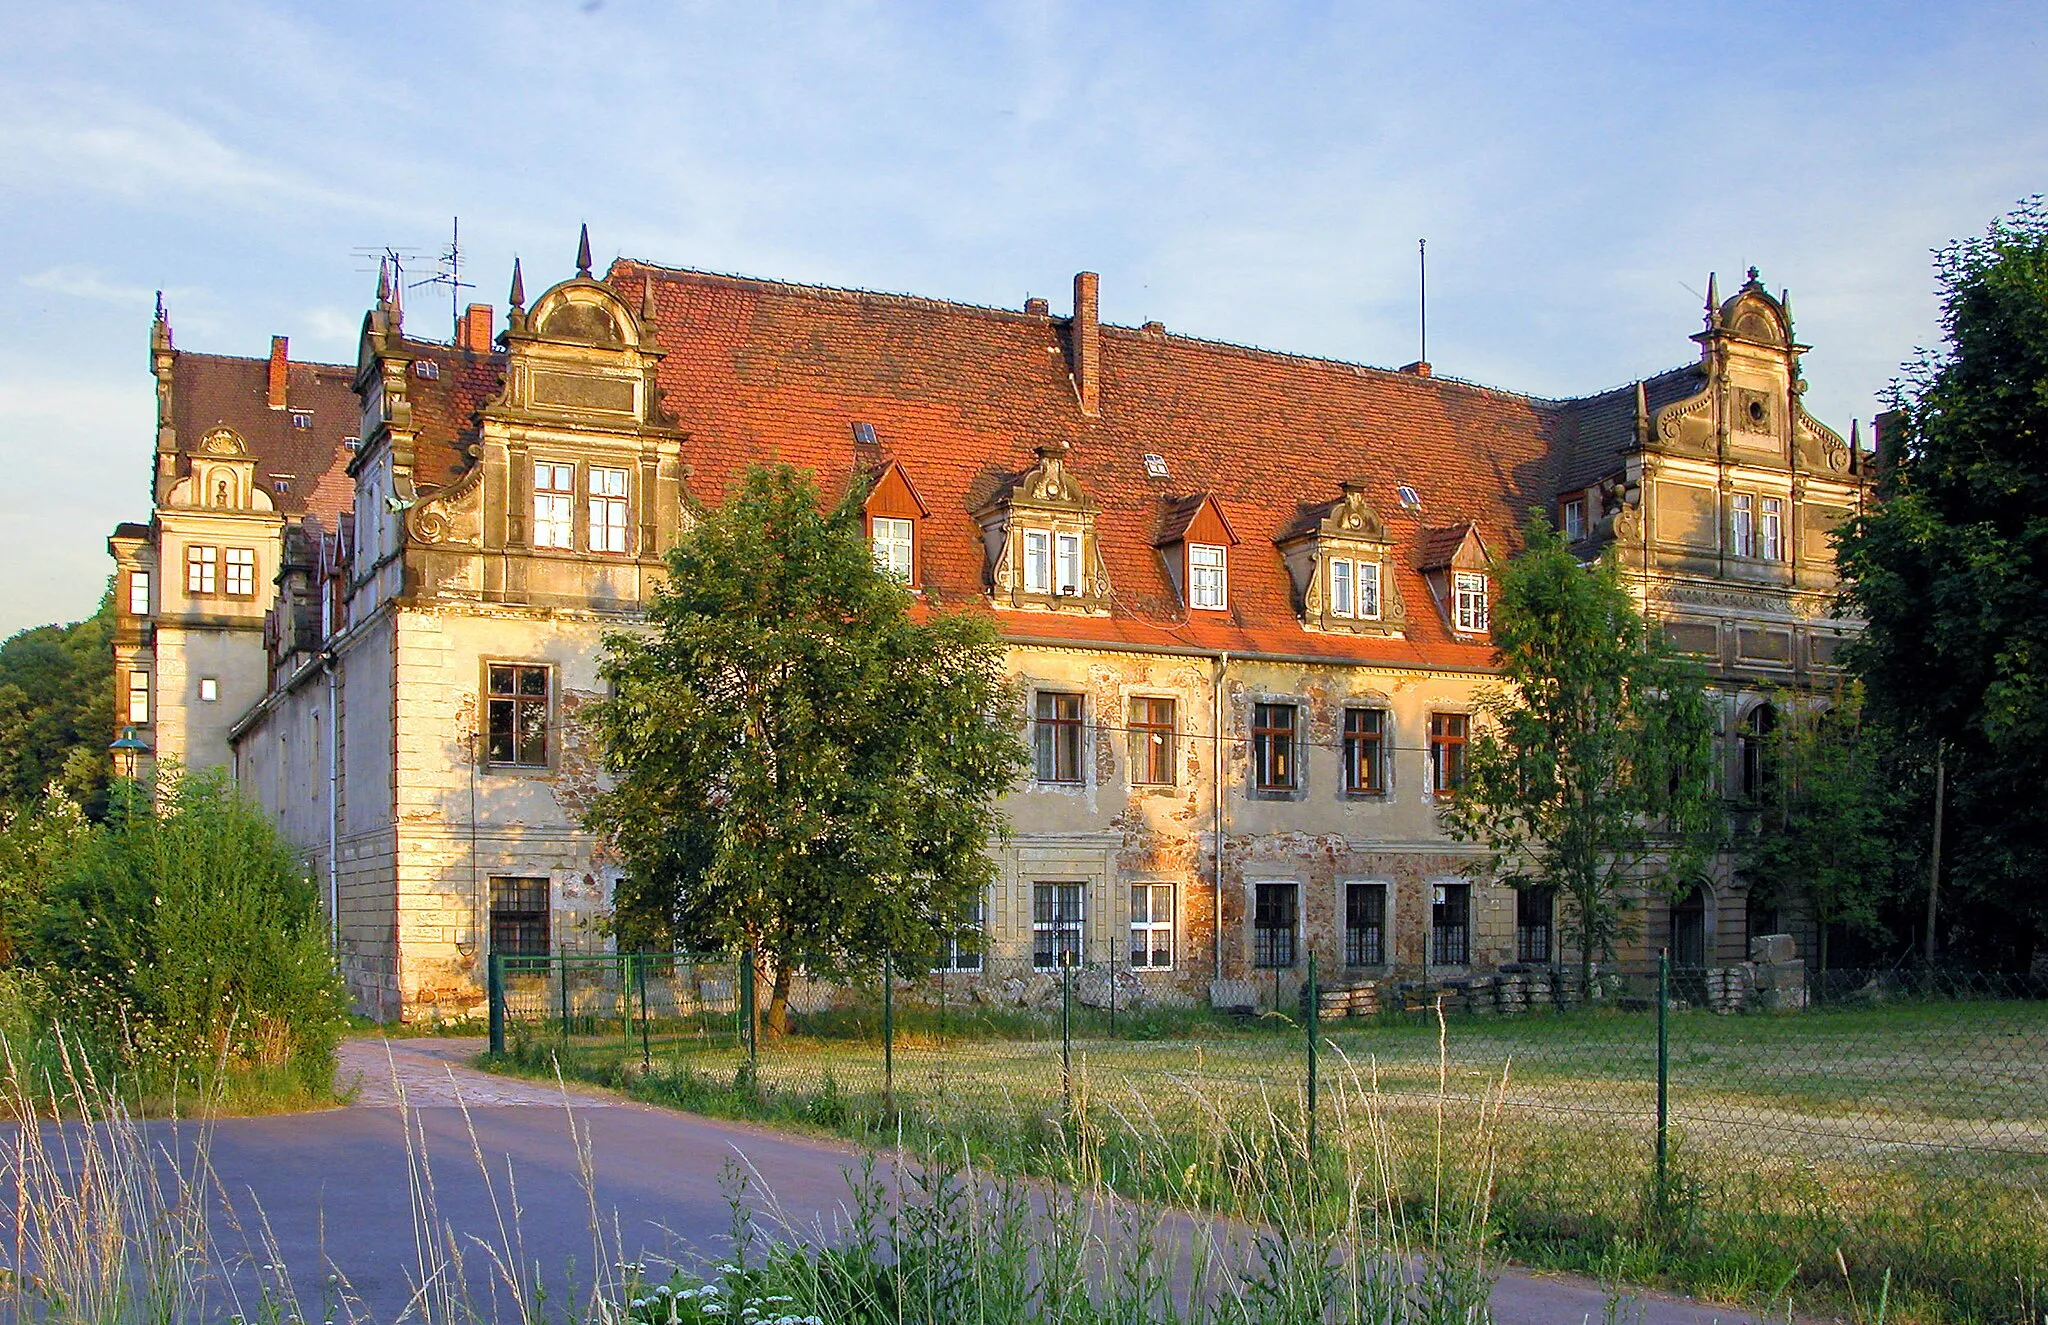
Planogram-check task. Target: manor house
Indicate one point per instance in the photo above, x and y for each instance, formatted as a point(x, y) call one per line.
point(1245, 593)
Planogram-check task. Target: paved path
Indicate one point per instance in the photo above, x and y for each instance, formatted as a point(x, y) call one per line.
point(334, 1187)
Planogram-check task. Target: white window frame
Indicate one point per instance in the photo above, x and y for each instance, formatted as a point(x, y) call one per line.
point(202, 568)
point(209, 689)
point(1368, 588)
point(1037, 561)
point(138, 593)
point(554, 504)
point(1058, 925)
point(1468, 601)
point(1343, 586)
point(238, 571)
point(893, 540)
point(1741, 525)
point(1067, 563)
point(138, 698)
point(958, 960)
point(1574, 520)
point(610, 513)
point(1770, 529)
point(1208, 577)
point(1147, 921)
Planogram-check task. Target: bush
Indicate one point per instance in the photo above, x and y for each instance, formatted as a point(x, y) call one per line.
point(185, 933)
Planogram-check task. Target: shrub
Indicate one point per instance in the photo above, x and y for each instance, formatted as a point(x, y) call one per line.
point(185, 932)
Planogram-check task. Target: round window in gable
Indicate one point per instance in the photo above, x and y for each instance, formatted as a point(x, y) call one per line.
point(1756, 411)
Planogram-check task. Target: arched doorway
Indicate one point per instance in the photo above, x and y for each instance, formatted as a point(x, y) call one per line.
point(1689, 930)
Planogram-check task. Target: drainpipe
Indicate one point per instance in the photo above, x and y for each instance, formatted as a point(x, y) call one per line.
point(333, 805)
point(1216, 794)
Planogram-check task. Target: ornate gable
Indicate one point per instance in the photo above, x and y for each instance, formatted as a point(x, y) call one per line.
point(1339, 558)
point(1039, 537)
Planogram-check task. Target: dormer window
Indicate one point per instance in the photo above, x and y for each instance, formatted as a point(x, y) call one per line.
point(893, 511)
point(1208, 577)
point(1337, 554)
point(1039, 534)
point(1572, 518)
point(1468, 608)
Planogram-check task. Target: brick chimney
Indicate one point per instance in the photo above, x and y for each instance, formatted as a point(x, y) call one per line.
point(280, 370)
point(1037, 307)
point(1086, 331)
point(1420, 368)
point(474, 335)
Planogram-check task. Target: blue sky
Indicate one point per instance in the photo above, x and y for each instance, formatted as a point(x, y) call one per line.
point(1249, 172)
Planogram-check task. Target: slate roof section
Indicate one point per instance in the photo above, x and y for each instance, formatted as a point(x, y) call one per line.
point(1602, 428)
point(765, 371)
point(211, 391)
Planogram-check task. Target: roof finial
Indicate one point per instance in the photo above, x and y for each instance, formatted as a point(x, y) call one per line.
point(518, 295)
point(583, 252)
point(648, 310)
point(161, 316)
point(383, 280)
point(1713, 300)
point(1754, 279)
point(1642, 415)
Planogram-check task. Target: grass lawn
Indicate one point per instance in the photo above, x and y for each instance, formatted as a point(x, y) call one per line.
point(1909, 1137)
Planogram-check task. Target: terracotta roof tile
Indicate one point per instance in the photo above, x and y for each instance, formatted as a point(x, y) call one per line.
point(211, 391)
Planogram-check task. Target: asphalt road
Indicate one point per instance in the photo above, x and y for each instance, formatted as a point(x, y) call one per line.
point(338, 1190)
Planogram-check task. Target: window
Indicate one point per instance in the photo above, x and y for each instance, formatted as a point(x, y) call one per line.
point(1069, 568)
point(1206, 576)
point(1447, 736)
point(1152, 741)
point(1741, 525)
point(241, 568)
point(1365, 732)
point(1056, 925)
point(1273, 747)
point(1037, 561)
point(1365, 924)
point(961, 951)
point(1152, 926)
point(518, 715)
point(519, 920)
point(1273, 918)
point(1056, 737)
point(1574, 519)
point(1535, 918)
point(1343, 593)
point(891, 540)
point(1450, 925)
point(201, 568)
point(554, 505)
point(1354, 588)
point(1468, 601)
point(607, 510)
point(303, 418)
point(1770, 530)
point(138, 593)
point(138, 697)
point(1753, 746)
point(209, 689)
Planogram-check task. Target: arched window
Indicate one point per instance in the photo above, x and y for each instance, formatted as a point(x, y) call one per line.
point(1753, 741)
point(1689, 930)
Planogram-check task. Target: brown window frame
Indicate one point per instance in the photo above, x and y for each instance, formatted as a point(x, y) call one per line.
point(1154, 740)
point(514, 704)
point(202, 569)
point(1535, 925)
point(1450, 924)
point(1365, 751)
point(1276, 762)
point(522, 933)
point(1276, 928)
point(1449, 735)
point(233, 560)
point(1056, 738)
point(1365, 928)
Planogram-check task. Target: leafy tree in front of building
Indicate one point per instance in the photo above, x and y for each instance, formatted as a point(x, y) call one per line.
point(56, 710)
point(805, 768)
point(1592, 773)
point(1950, 570)
point(1828, 818)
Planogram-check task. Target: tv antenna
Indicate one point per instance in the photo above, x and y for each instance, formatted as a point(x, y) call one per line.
point(395, 259)
point(1422, 295)
point(450, 275)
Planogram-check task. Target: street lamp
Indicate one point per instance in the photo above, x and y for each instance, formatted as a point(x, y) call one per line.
point(131, 749)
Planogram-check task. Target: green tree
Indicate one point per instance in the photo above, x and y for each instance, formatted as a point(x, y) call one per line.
point(36, 842)
point(186, 931)
point(57, 710)
point(1592, 775)
point(1950, 570)
point(1825, 831)
point(804, 768)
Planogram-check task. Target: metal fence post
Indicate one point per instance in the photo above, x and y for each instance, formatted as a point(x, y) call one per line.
point(748, 1011)
point(888, 1035)
point(1663, 1073)
point(1314, 1020)
point(1112, 991)
point(640, 980)
point(494, 984)
point(561, 965)
point(1067, 1029)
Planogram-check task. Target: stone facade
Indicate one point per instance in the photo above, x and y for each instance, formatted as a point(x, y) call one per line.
point(1244, 593)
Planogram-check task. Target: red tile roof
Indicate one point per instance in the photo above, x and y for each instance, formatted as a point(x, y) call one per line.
point(211, 391)
point(960, 396)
